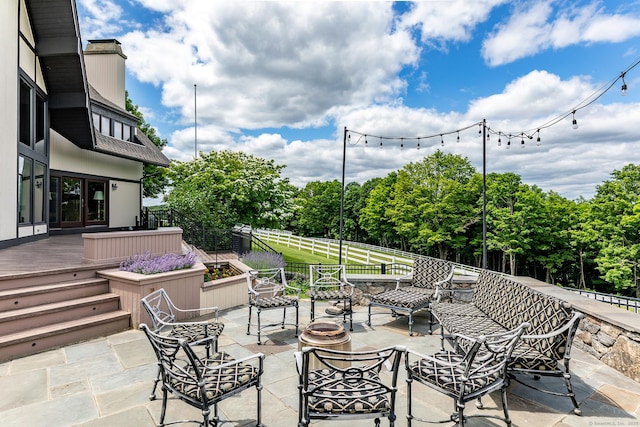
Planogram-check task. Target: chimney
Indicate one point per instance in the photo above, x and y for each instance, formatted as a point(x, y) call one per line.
point(104, 63)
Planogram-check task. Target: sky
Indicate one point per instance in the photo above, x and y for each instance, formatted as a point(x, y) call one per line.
point(282, 80)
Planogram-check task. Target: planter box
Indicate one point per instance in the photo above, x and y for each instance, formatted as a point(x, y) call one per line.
point(228, 292)
point(182, 286)
point(119, 245)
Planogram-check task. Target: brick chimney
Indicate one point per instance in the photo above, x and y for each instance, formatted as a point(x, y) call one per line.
point(105, 66)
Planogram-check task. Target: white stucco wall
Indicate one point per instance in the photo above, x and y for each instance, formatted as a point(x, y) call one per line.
point(9, 117)
point(124, 203)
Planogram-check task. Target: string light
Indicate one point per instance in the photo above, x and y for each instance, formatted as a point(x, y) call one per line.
point(522, 141)
point(441, 140)
point(458, 137)
point(401, 143)
point(538, 142)
point(366, 143)
point(499, 140)
point(509, 142)
point(479, 130)
point(418, 147)
point(574, 123)
point(623, 89)
point(381, 143)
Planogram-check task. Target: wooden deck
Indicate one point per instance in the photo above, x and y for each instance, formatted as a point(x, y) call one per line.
point(63, 252)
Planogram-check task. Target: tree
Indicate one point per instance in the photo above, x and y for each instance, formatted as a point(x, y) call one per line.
point(374, 216)
point(616, 217)
point(432, 204)
point(154, 179)
point(225, 188)
point(318, 205)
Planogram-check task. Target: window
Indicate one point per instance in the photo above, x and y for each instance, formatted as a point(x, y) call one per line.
point(105, 126)
point(41, 125)
point(24, 189)
point(126, 133)
point(25, 113)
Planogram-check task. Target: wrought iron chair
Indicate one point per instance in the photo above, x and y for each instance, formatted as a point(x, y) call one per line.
point(467, 377)
point(163, 314)
point(329, 282)
point(347, 385)
point(429, 275)
point(267, 291)
point(202, 382)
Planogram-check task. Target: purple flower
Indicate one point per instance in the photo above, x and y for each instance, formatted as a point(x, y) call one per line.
point(153, 264)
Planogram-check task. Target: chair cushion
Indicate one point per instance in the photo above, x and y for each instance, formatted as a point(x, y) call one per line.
point(193, 331)
point(218, 381)
point(456, 309)
point(327, 295)
point(345, 396)
point(527, 358)
point(403, 298)
point(276, 301)
point(447, 377)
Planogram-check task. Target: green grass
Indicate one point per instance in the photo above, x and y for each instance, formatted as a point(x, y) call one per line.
point(295, 255)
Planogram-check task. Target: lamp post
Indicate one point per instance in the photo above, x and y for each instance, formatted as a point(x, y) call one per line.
point(344, 158)
point(195, 118)
point(484, 193)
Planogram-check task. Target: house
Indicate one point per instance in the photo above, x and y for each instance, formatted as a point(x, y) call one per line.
point(72, 156)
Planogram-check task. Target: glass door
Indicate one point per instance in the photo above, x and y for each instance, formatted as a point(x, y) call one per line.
point(71, 202)
point(96, 206)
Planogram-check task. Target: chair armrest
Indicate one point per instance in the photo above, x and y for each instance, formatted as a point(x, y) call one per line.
point(297, 355)
point(294, 288)
point(199, 310)
point(576, 318)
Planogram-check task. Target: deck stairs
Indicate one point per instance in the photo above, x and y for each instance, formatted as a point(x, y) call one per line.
point(42, 311)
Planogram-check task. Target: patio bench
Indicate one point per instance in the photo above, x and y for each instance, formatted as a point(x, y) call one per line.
point(500, 303)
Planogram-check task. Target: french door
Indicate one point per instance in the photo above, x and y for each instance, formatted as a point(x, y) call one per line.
point(77, 202)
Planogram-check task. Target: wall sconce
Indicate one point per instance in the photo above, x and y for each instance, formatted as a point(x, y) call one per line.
point(38, 183)
point(114, 186)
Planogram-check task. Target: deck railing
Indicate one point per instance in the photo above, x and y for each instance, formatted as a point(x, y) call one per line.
point(628, 303)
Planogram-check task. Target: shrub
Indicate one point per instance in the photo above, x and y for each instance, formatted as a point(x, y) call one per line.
point(154, 264)
point(263, 260)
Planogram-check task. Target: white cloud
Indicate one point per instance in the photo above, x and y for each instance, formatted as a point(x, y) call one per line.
point(541, 25)
point(269, 64)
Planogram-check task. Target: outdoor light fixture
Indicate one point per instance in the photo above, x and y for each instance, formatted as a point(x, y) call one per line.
point(458, 137)
point(509, 142)
point(499, 141)
point(623, 91)
point(114, 186)
point(441, 140)
point(575, 122)
point(522, 141)
point(479, 130)
point(538, 142)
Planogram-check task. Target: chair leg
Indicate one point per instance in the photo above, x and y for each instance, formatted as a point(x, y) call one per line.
point(313, 309)
point(249, 322)
point(163, 411)
point(409, 415)
point(259, 325)
point(570, 393)
point(155, 385)
point(284, 316)
point(369, 315)
point(259, 400)
point(296, 335)
point(505, 407)
point(410, 323)
point(430, 322)
point(350, 316)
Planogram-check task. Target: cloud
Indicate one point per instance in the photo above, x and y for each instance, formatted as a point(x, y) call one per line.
point(537, 26)
point(270, 64)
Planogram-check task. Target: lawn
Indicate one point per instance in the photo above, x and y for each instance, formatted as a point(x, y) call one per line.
point(295, 255)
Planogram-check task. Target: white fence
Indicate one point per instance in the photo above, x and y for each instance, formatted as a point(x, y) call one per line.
point(352, 252)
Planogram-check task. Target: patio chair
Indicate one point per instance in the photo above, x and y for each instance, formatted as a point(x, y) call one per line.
point(163, 314)
point(482, 370)
point(202, 382)
point(428, 275)
point(348, 385)
point(329, 283)
point(268, 291)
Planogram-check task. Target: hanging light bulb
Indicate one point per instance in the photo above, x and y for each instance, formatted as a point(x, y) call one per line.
point(479, 130)
point(488, 136)
point(522, 141)
point(509, 142)
point(365, 141)
point(381, 143)
point(499, 140)
point(574, 123)
point(458, 137)
point(623, 89)
point(418, 147)
point(538, 142)
point(441, 140)
point(401, 143)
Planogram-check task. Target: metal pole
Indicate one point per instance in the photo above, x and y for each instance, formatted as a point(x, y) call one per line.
point(195, 118)
point(484, 193)
point(344, 158)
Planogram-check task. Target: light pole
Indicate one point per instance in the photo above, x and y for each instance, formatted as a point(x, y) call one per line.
point(344, 158)
point(484, 193)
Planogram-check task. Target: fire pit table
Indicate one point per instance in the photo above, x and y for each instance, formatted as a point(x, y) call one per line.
point(325, 334)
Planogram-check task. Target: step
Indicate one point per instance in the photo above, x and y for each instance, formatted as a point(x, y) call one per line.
point(53, 336)
point(11, 299)
point(34, 317)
